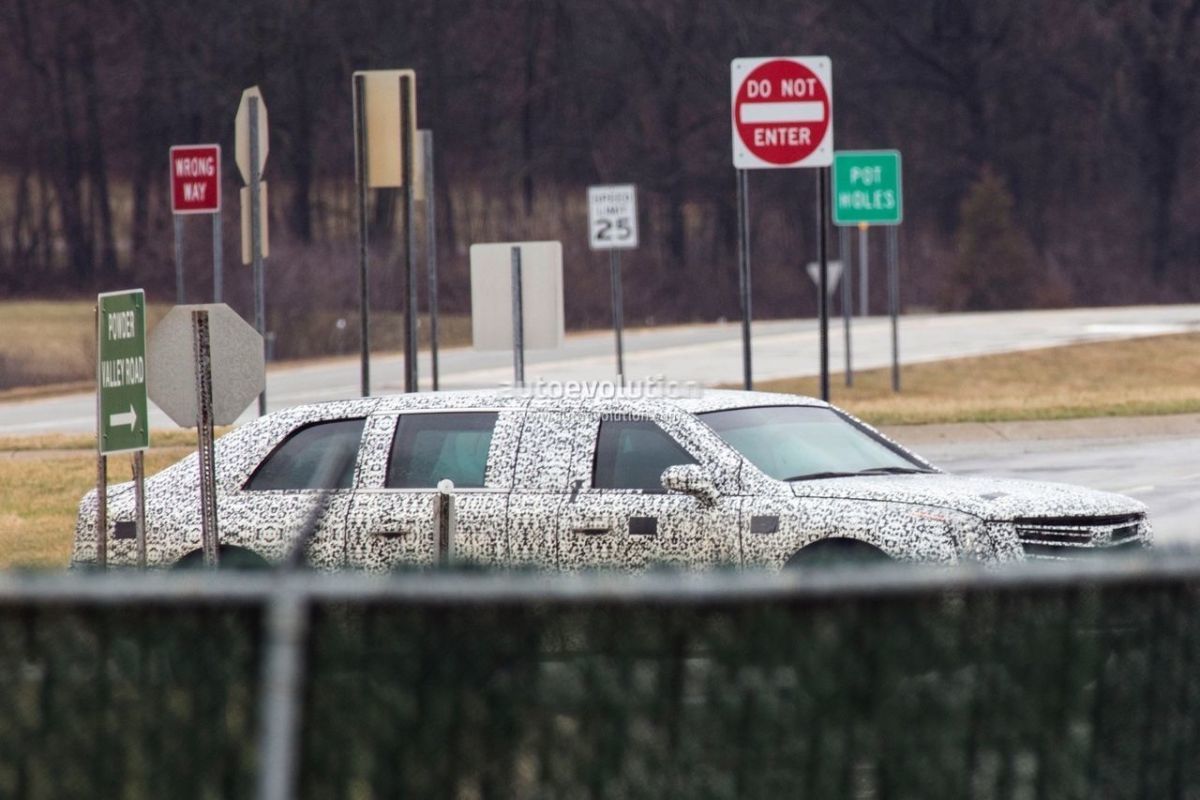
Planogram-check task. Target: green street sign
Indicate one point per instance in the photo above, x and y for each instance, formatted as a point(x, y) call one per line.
point(866, 187)
point(121, 372)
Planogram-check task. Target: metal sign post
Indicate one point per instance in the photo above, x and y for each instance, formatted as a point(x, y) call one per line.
point(252, 147)
point(121, 407)
point(613, 226)
point(782, 109)
point(823, 258)
point(518, 320)
point(847, 295)
point(218, 258)
point(202, 356)
point(618, 306)
point(431, 252)
point(385, 120)
point(180, 293)
point(407, 133)
point(864, 274)
point(868, 190)
point(360, 178)
point(260, 301)
point(893, 257)
point(743, 240)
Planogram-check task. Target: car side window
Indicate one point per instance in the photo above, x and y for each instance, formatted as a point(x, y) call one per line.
point(632, 454)
point(430, 447)
point(318, 456)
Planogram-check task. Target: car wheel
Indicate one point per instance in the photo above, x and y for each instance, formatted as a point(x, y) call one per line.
point(828, 552)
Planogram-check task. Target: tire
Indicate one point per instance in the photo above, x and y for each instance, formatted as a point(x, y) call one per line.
point(228, 558)
point(831, 552)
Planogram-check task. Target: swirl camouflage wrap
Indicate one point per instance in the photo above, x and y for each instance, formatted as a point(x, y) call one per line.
point(573, 483)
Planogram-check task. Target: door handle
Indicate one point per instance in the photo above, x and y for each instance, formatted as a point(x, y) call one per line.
point(593, 528)
point(392, 533)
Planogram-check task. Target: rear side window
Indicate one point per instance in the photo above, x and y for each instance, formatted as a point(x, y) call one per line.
point(632, 454)
point(319, 456)
point(430, 447)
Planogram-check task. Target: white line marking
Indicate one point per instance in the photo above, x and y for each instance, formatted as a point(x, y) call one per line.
point(760, 113)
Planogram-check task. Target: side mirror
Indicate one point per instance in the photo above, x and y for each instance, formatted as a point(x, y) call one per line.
point(690, 479)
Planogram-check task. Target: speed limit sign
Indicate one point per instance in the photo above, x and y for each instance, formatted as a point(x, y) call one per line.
point(612, 217)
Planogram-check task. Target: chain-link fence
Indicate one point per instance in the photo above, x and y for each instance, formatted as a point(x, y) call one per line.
point(1058, 681)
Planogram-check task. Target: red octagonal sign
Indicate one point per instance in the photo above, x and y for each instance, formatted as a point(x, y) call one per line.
point(782, 112)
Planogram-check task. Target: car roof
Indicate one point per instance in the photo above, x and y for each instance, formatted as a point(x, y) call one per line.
point(599, 396)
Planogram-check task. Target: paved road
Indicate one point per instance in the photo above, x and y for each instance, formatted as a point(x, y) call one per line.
point(1162, 470)
point(708, 354)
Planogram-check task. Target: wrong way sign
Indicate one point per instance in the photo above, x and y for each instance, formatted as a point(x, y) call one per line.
point(196, 179)
point(782, 112)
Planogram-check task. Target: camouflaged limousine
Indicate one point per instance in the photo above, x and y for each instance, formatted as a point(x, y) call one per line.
point(720, 478)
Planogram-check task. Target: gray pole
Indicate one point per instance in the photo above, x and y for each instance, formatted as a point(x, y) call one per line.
point(180, 294)
point(823, 256)
point(847, 297)
point(282, 694)
point(202, 354)
point(139, 505)
point(431, 251)
point(260, 302)
point(743, 237)
point(218, 259)
point(618, 306)
point(101, 468)
point(518, 315)
point(893, 254)
point(410, 267)
point(102, 512)
point(360, 176)
point(863, 274)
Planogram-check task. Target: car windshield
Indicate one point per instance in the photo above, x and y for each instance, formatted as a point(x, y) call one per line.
point(807, 442)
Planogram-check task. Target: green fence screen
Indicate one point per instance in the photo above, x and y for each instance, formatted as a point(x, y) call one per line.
point(872, 685)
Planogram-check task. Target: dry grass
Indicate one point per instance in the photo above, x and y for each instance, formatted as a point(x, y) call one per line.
point(41, 492)
point(50, 343)
point(48, 347)
point(1156, 375)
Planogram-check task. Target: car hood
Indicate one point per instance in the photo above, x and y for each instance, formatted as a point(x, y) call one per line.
point(987, 498)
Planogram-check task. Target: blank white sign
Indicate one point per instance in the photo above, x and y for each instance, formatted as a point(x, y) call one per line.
point(491, 295)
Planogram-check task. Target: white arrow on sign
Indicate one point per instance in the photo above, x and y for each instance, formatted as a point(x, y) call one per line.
point(835, 274)
point(124, 418)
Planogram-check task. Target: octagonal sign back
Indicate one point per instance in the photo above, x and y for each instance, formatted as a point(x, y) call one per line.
point(238, 366)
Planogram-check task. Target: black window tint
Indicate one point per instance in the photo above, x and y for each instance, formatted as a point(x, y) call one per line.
point(430, 447)
point(327, 449)
point(632, 454)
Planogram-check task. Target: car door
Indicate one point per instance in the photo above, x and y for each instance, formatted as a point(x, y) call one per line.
point(391, 521)
point(621, 517)
point(306, 479)
point(545, 479)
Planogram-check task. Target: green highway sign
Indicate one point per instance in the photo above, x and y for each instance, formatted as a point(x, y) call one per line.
point(867, 188)
point(121, 372)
